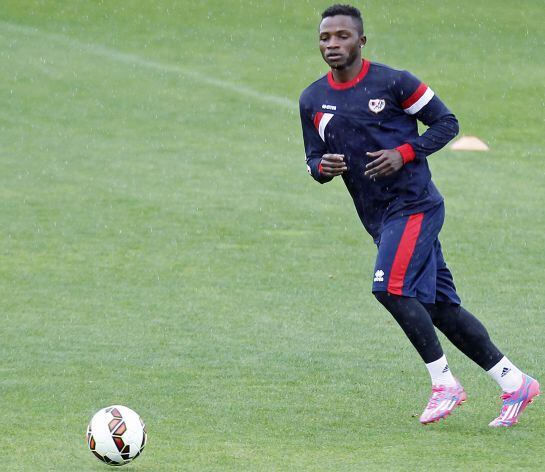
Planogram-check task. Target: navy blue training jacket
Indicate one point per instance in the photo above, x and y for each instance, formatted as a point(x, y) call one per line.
point(377, 110)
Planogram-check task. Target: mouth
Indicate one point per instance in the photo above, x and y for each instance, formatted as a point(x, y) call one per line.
point(334, 56)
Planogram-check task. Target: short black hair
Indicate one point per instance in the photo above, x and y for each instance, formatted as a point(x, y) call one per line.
point(348, 10)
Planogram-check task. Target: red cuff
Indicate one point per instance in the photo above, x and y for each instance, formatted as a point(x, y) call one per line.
point(320, 168)
point(407, 152)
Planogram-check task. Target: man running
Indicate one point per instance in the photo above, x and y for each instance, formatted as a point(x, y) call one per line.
point(360, 122)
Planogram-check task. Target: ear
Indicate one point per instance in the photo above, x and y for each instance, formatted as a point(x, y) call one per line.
point(363, 40)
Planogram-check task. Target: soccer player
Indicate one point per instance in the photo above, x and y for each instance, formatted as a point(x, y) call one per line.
point(360, 122)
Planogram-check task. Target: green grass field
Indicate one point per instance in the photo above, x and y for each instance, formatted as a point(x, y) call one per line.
point(163, 247)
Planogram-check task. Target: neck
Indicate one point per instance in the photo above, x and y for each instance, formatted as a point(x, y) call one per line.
point(349, 72)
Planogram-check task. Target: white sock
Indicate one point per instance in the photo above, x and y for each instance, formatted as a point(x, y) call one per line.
point(440, 373)
point(508, 376)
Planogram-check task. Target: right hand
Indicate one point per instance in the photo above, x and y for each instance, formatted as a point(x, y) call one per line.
point(333, 165)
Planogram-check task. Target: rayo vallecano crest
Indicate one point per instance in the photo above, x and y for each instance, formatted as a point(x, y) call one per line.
point(376, 105)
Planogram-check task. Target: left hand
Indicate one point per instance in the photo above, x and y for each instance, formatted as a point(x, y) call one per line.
point(386, 163)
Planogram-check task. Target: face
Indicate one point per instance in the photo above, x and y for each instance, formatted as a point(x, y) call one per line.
point(340, 41)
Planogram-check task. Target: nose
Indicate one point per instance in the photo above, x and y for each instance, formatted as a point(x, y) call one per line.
point(332, 44)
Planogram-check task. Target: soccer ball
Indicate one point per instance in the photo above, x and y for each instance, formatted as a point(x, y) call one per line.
point(116, 435)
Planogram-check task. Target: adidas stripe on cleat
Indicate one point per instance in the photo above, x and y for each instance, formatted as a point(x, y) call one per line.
point(515, 403)
point(442, 402)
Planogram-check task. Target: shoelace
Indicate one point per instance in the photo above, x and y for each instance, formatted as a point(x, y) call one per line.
point(504, 397)
point(435, 396)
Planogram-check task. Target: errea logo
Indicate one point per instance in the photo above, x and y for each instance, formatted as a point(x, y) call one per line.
point(329, 107)
point(379, 276)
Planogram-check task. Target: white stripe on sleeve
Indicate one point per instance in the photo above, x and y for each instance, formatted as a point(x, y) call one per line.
point(421, 102)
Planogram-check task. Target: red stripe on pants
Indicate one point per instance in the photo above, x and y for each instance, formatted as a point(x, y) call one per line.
point(404, 253)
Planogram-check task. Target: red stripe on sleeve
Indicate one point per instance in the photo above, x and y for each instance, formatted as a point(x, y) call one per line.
point(407, 152)
point(317, 119)
point(404, 253)
point(415, 96)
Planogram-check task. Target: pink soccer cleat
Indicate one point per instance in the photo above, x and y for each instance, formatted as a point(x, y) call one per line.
point(442, 401)
point(514, 403)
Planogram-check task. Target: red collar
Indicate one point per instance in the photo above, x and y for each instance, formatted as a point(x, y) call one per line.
point(351, 83)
